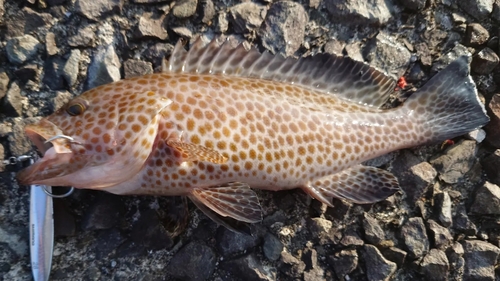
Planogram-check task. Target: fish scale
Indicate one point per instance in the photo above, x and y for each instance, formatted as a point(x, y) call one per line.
point(215, 130)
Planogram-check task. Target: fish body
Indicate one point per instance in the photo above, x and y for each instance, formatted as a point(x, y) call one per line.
point(221, 120)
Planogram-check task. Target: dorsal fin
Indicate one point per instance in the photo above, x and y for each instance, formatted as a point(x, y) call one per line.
point(348, 79)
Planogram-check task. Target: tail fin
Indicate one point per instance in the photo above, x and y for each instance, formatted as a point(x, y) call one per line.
point(448, 106)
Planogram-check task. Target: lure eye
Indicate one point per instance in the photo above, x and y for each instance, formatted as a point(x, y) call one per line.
point(75, 109)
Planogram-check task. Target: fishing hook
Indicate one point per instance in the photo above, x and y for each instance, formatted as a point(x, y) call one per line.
point(70, 191)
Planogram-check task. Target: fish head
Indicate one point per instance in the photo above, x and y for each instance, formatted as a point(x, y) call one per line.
point(97, 140)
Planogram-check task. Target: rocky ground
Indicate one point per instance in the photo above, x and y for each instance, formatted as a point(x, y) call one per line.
point(445, 225)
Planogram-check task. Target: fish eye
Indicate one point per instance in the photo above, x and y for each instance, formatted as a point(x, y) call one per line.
point(75, 109)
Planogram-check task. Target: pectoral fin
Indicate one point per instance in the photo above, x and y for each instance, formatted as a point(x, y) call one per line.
point(194, 152)
point(359, 184)
point(235, 200)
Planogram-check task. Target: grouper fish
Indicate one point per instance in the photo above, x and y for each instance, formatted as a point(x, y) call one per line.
point(220, 121)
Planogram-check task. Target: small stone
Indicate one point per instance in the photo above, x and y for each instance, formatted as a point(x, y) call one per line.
point(22, 49)
point(493, 127)
point(480, 260)
point(456, 161)
point(291, 266)
point(70, 69)
point(149, 1)
point(442, 203)
point(103, 213)
point(230, 243)
point(344, 262)
point(414, 5)
point(149, 233)
point(462, 223)
point(272, 247)
point(388, 55)
point(84, 38)
point(477, 135)
point(479, 9)
point(222, 23)
point(246, 17)
point(443, 61)
point(313, 272)
point(476, 35)
point(19, 144)
point(151, 27)
point(485, 61)
point(35, 20)
point(319, 227)
point(334, 47)
point(184, 8)
point(157, 52)
point(435, 265)
point(208, 11)
point(97, 9)
point(4, 83)
point(50, 44)
point(352, 12)
point(395, 255)
point(490, 165)
point(2, 158)
point(53, 73)
point(61, 98)
point(374, 234)
point(496, 11)
point(351, 238)
point(250, 268)
point(183, 32)
point(2, 11)
point(104, 68)
point(440, 236)
point(414, 235)
point(13, 101)
point(487, 200)
point(377, 267)
point(283, 29)
point(27, 73)
point(200, 258)
point(134, 68)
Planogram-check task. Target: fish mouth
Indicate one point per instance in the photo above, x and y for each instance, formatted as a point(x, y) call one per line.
point(56, 149)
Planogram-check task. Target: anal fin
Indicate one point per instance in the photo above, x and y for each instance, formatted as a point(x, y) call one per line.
point(194, 152)
point(358, 184)
point(236, 200)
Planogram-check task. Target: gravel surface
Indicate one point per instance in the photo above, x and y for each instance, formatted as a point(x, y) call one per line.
point(445, 225)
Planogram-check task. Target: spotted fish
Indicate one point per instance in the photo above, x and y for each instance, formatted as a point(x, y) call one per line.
point(221, 120)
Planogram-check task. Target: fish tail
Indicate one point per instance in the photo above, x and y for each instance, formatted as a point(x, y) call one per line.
point(448, 105)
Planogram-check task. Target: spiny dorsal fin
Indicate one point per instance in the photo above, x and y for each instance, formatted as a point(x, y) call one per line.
point(348, 79)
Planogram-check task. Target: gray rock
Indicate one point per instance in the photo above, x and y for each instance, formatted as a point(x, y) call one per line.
point(19, 144)
point(207, 11)
point(246, 17)
point(13, 101)
point(134, 67)
point(490, 165)
point(249, 268)
point(344, 262)
point(230, 243)
point(150, 26)
point(477, 135)
point(50, 44)
point(435, 265)
point(388, 55)
point(319, 226)
point(28, 73)
point(84, 38)
point(349, 12)
point(21, 49)
point(272, 247)
point(484, 61)
point(395, 255)
point(493, 127)
point(334, 47)
point(2, 11)
point(313, 271)
point(480, 260)
point(149, 233)
point(414, 5)
point(456, 161)
point(283, 29)
point(480, 9)
point(413, 175)
point(414, 236)
point(374, 234)
point(200, 258)
point(476, 35)
point(97, 9)
point(35, 20)
point(71, 69)
point(442, 207)
point(291, 266)
point(149, 1)
point(184, 8)
point(443, 61)
point(4, 83)
point(104, 212)
point(462, 223)
point(487, 200)
point(351, 238)
point(104, 68)
point(496, 11)
point(377, 267)
point(60, 99)
point(222, 23)
point(53, 73)
point(157, 52)
point(440, 236)
point(2, 157)
point(183, 32)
